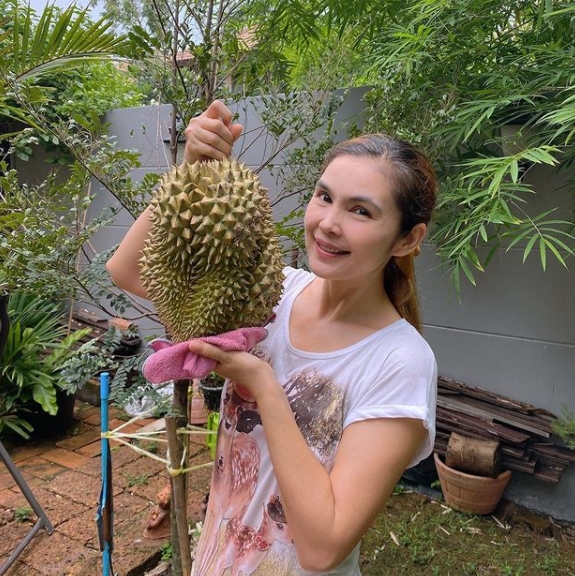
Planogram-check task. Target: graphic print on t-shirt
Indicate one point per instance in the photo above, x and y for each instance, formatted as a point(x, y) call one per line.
point(245, 530)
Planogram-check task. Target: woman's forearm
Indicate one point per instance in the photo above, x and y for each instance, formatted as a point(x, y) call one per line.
point(328, 512)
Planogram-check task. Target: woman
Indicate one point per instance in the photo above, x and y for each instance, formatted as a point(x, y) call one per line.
point(339, 399)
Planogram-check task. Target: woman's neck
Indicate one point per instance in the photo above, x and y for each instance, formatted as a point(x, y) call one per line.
point(365, 303)
point(328, 316)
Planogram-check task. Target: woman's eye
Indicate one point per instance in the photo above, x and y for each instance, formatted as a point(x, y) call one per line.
point(362, 211)
point(323, 196)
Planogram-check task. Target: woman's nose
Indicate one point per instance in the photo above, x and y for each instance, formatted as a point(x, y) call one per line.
point(331, 221)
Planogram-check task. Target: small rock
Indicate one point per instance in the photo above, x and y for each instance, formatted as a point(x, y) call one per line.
point(162, 569)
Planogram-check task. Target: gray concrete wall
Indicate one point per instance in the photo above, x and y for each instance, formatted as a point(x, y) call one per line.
point(512, 334)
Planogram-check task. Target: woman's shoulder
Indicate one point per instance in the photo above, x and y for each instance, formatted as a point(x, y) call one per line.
point(295, 277)
point(409, 347)
point(293, 282)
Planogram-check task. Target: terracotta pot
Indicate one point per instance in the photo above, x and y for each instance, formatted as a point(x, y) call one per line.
point(469, 493)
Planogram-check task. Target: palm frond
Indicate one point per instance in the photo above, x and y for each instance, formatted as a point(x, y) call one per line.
point(29, 49)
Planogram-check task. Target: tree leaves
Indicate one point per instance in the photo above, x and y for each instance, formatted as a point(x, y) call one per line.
point(487, 88)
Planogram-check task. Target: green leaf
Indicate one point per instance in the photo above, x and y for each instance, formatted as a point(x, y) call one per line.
point(556, 252)
point(57, 40)
point(467, 271)
point(17, 425)
point(514, 171)
point(543, 253)
point(529, 246)
point(46, 397)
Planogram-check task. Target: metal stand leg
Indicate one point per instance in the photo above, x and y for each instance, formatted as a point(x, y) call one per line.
point(42, 521)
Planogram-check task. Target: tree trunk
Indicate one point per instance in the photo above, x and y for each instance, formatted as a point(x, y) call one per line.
point(473, 455)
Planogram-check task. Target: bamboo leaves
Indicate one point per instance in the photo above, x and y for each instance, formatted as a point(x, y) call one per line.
point(486, 205)
point(488, 90)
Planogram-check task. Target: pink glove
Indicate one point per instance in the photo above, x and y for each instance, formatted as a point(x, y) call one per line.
point(176, 362)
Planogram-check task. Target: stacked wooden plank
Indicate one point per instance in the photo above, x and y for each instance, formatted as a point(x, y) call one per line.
point(525, 433)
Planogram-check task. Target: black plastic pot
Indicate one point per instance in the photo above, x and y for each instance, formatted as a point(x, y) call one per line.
point(212, 395)
point(47, 425)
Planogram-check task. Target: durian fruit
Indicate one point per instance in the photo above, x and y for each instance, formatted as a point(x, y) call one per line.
point(212, 261)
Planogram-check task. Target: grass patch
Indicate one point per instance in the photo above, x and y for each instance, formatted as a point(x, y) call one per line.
point(415, 535)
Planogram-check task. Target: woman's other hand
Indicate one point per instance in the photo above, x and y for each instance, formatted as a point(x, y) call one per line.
point(243, 368)
point(211, 135)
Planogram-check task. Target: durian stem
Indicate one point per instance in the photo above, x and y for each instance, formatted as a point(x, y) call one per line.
point(182, 541)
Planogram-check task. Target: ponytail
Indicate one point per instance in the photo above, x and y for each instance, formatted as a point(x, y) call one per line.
point(401, 287)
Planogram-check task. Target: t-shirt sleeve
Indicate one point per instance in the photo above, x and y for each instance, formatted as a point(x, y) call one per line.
point(405, 387)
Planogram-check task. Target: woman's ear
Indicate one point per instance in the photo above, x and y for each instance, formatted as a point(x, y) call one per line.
point(410, 241)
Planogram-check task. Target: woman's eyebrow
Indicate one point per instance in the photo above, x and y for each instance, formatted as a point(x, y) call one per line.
point(359, 199)
point(365, 200)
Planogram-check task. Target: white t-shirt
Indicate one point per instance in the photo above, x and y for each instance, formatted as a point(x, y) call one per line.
point(390, 374)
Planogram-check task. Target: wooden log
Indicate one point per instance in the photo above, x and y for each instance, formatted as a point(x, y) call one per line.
point(513, 451)
point(524, 432)
point(552, 451)
point(548, 474)
point(474, 392)
point(472, 455)
point(525, 466)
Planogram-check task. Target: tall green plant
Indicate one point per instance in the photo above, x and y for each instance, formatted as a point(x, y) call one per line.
point(45, 232)
point(456, 77)
point(37, 348)
point(31, 47)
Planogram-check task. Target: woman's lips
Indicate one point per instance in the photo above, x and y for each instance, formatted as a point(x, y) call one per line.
point(329, 249)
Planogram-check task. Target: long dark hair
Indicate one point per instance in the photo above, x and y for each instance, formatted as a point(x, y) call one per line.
point(414, 192)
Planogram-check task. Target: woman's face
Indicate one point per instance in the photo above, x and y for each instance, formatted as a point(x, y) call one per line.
point(351, 222)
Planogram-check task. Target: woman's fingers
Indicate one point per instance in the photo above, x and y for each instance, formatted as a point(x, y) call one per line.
point(217, 110)
point(204, 349)
point(212, 134)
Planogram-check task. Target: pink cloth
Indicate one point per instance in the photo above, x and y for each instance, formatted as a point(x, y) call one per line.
point(176, 362)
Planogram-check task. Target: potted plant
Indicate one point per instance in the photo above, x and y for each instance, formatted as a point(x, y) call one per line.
point(37, 346)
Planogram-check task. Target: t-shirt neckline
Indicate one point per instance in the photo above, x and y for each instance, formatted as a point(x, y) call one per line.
point(332, 353)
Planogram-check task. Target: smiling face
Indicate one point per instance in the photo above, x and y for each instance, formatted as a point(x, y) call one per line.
point(352, 222)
